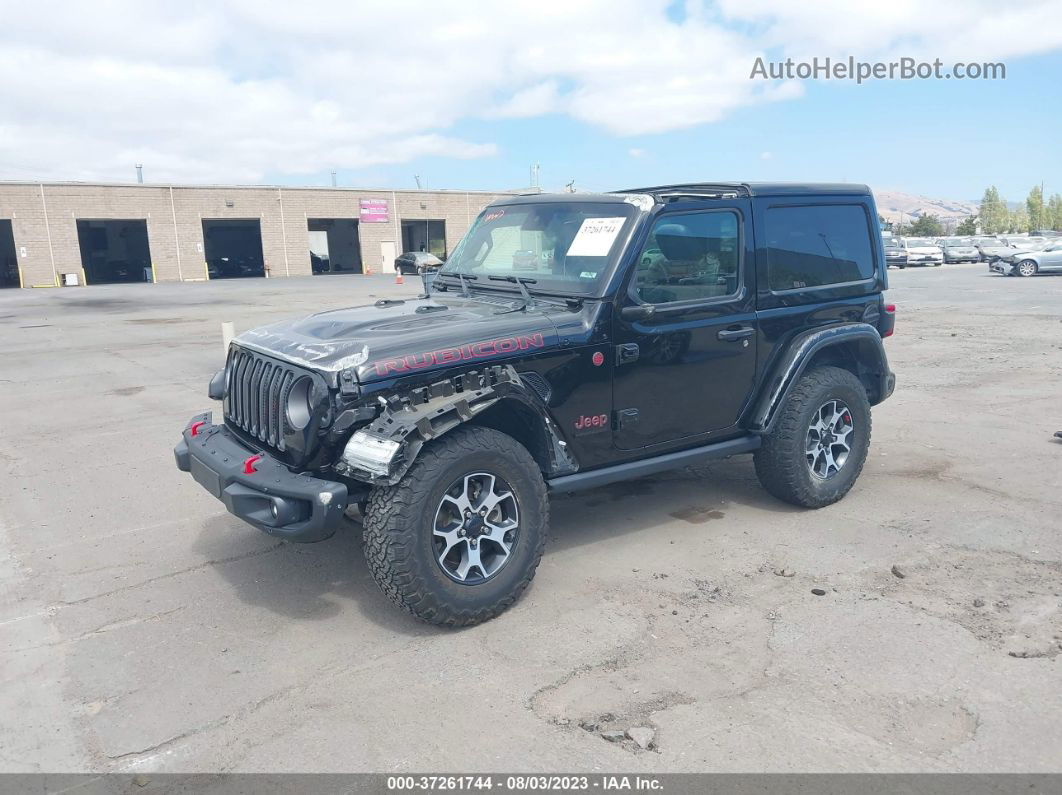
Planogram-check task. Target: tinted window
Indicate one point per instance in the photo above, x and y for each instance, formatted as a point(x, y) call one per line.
point(689, 256)
point(819, 245)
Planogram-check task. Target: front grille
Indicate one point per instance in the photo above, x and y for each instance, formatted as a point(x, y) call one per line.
point(257, 393)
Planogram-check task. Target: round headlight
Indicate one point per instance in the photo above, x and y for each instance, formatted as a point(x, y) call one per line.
point(298, 409)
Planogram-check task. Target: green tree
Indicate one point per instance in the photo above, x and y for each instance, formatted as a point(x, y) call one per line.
point(1019, 220)
point(994, 214)
point(1054, 212)
point(968, 226)
point(926, 226)
point(1034, 207)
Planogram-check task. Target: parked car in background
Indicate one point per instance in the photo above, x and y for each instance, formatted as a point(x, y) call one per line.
point(959, 249)
point(923, 251)
point(525, 260)
point(1005, 246)
point(416, 262)
point(895, 253)
point(1030, 263)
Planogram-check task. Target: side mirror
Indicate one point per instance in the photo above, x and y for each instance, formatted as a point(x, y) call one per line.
point(638, 312)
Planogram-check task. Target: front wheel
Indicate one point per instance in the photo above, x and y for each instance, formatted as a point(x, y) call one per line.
point(458, 539)
point(816, 449)
point(1026, 268)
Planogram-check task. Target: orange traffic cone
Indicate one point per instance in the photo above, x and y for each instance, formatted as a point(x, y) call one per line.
point(398, 277)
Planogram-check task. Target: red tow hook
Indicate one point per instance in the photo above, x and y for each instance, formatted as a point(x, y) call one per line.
point(196, 426)
point(249, 462)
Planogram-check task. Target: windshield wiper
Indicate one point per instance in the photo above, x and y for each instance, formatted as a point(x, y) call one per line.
point(519, 281)
point(461, 278)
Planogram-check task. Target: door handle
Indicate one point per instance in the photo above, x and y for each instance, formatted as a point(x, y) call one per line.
point(735, 334)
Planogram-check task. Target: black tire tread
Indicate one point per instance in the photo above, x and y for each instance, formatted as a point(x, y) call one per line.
point(391, 518)
point(774, 462)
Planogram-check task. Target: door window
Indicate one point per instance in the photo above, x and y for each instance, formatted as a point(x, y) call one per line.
point(690, 257)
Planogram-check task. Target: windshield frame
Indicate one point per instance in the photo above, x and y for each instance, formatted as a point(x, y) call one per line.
point(541, 284)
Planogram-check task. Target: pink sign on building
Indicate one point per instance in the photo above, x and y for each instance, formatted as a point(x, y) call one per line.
point(374, 211)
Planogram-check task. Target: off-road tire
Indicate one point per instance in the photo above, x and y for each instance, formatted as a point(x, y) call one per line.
point(399, 523)
point(781, 463)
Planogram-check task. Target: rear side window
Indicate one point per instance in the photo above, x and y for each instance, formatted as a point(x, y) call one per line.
point(817, 246)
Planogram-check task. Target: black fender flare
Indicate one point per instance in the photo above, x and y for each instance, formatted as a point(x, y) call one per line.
point(787, 370)
point(433, 411)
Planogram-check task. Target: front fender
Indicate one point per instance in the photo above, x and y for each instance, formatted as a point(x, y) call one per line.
point(787, 371)
point(432, 411)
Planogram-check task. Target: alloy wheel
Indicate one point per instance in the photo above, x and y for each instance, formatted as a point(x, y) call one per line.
point(476, 527)
point(828, 445)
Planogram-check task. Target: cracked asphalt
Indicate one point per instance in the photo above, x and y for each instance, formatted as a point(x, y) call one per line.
point(144, 629)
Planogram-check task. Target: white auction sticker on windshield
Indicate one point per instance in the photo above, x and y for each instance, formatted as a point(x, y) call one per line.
point(595, 237)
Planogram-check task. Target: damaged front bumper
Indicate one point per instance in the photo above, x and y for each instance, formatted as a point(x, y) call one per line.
point(258, 488)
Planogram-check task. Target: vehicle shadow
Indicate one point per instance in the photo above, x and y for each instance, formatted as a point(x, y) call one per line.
point(302, 582)
point(697, 495)
point(318, 582)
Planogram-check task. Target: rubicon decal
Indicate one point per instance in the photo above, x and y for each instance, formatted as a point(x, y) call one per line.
point(477, 350)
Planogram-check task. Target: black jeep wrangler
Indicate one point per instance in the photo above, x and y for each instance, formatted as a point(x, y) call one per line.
point(570, 341)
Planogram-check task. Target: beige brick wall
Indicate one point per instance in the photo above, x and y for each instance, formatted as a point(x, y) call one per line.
point(174, 218)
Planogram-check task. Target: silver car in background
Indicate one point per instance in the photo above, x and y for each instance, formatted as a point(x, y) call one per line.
point(959, 249)
point(1005, 246)
point(1030, 263)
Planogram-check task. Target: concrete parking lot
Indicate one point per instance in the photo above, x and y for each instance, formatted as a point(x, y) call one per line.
point(144, 629)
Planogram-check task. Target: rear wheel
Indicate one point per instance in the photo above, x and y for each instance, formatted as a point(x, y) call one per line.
point(1026, 268)
point(458, 539)
point(816, 449)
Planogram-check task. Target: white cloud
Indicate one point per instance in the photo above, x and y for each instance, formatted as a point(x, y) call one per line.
point(636, 152)
point(204, 91)
point(766, 155)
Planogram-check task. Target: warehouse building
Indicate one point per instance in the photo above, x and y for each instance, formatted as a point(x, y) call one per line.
point(67, 234)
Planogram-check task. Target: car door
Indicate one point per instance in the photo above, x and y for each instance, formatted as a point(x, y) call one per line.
point(685, 329)
point(1051, 258)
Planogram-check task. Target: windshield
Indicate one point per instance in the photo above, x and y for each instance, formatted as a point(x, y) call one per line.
point(920, 241)
point(564, 247)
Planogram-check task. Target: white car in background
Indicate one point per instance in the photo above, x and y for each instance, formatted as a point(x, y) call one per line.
point(923, 251)
point(1030, 263)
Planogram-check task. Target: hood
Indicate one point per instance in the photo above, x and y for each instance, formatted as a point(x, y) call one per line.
point(925, 249)
point(392, 338)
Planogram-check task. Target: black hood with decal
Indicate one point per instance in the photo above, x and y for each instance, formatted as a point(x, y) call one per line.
point(392, 338)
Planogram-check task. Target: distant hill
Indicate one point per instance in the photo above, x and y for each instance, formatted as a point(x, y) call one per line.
point(896, 206)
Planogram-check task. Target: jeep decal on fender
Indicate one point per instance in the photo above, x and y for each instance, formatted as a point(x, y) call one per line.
point(476, 350)
point(591, 423)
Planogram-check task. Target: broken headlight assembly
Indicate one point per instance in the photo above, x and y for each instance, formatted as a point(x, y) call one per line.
point(370, 453)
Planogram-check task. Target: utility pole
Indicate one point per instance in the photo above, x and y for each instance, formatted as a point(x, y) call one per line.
point(417, 178)
point(333, 177)
point(140, 173)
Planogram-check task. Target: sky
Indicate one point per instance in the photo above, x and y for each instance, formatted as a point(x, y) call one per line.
point(467, 95)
